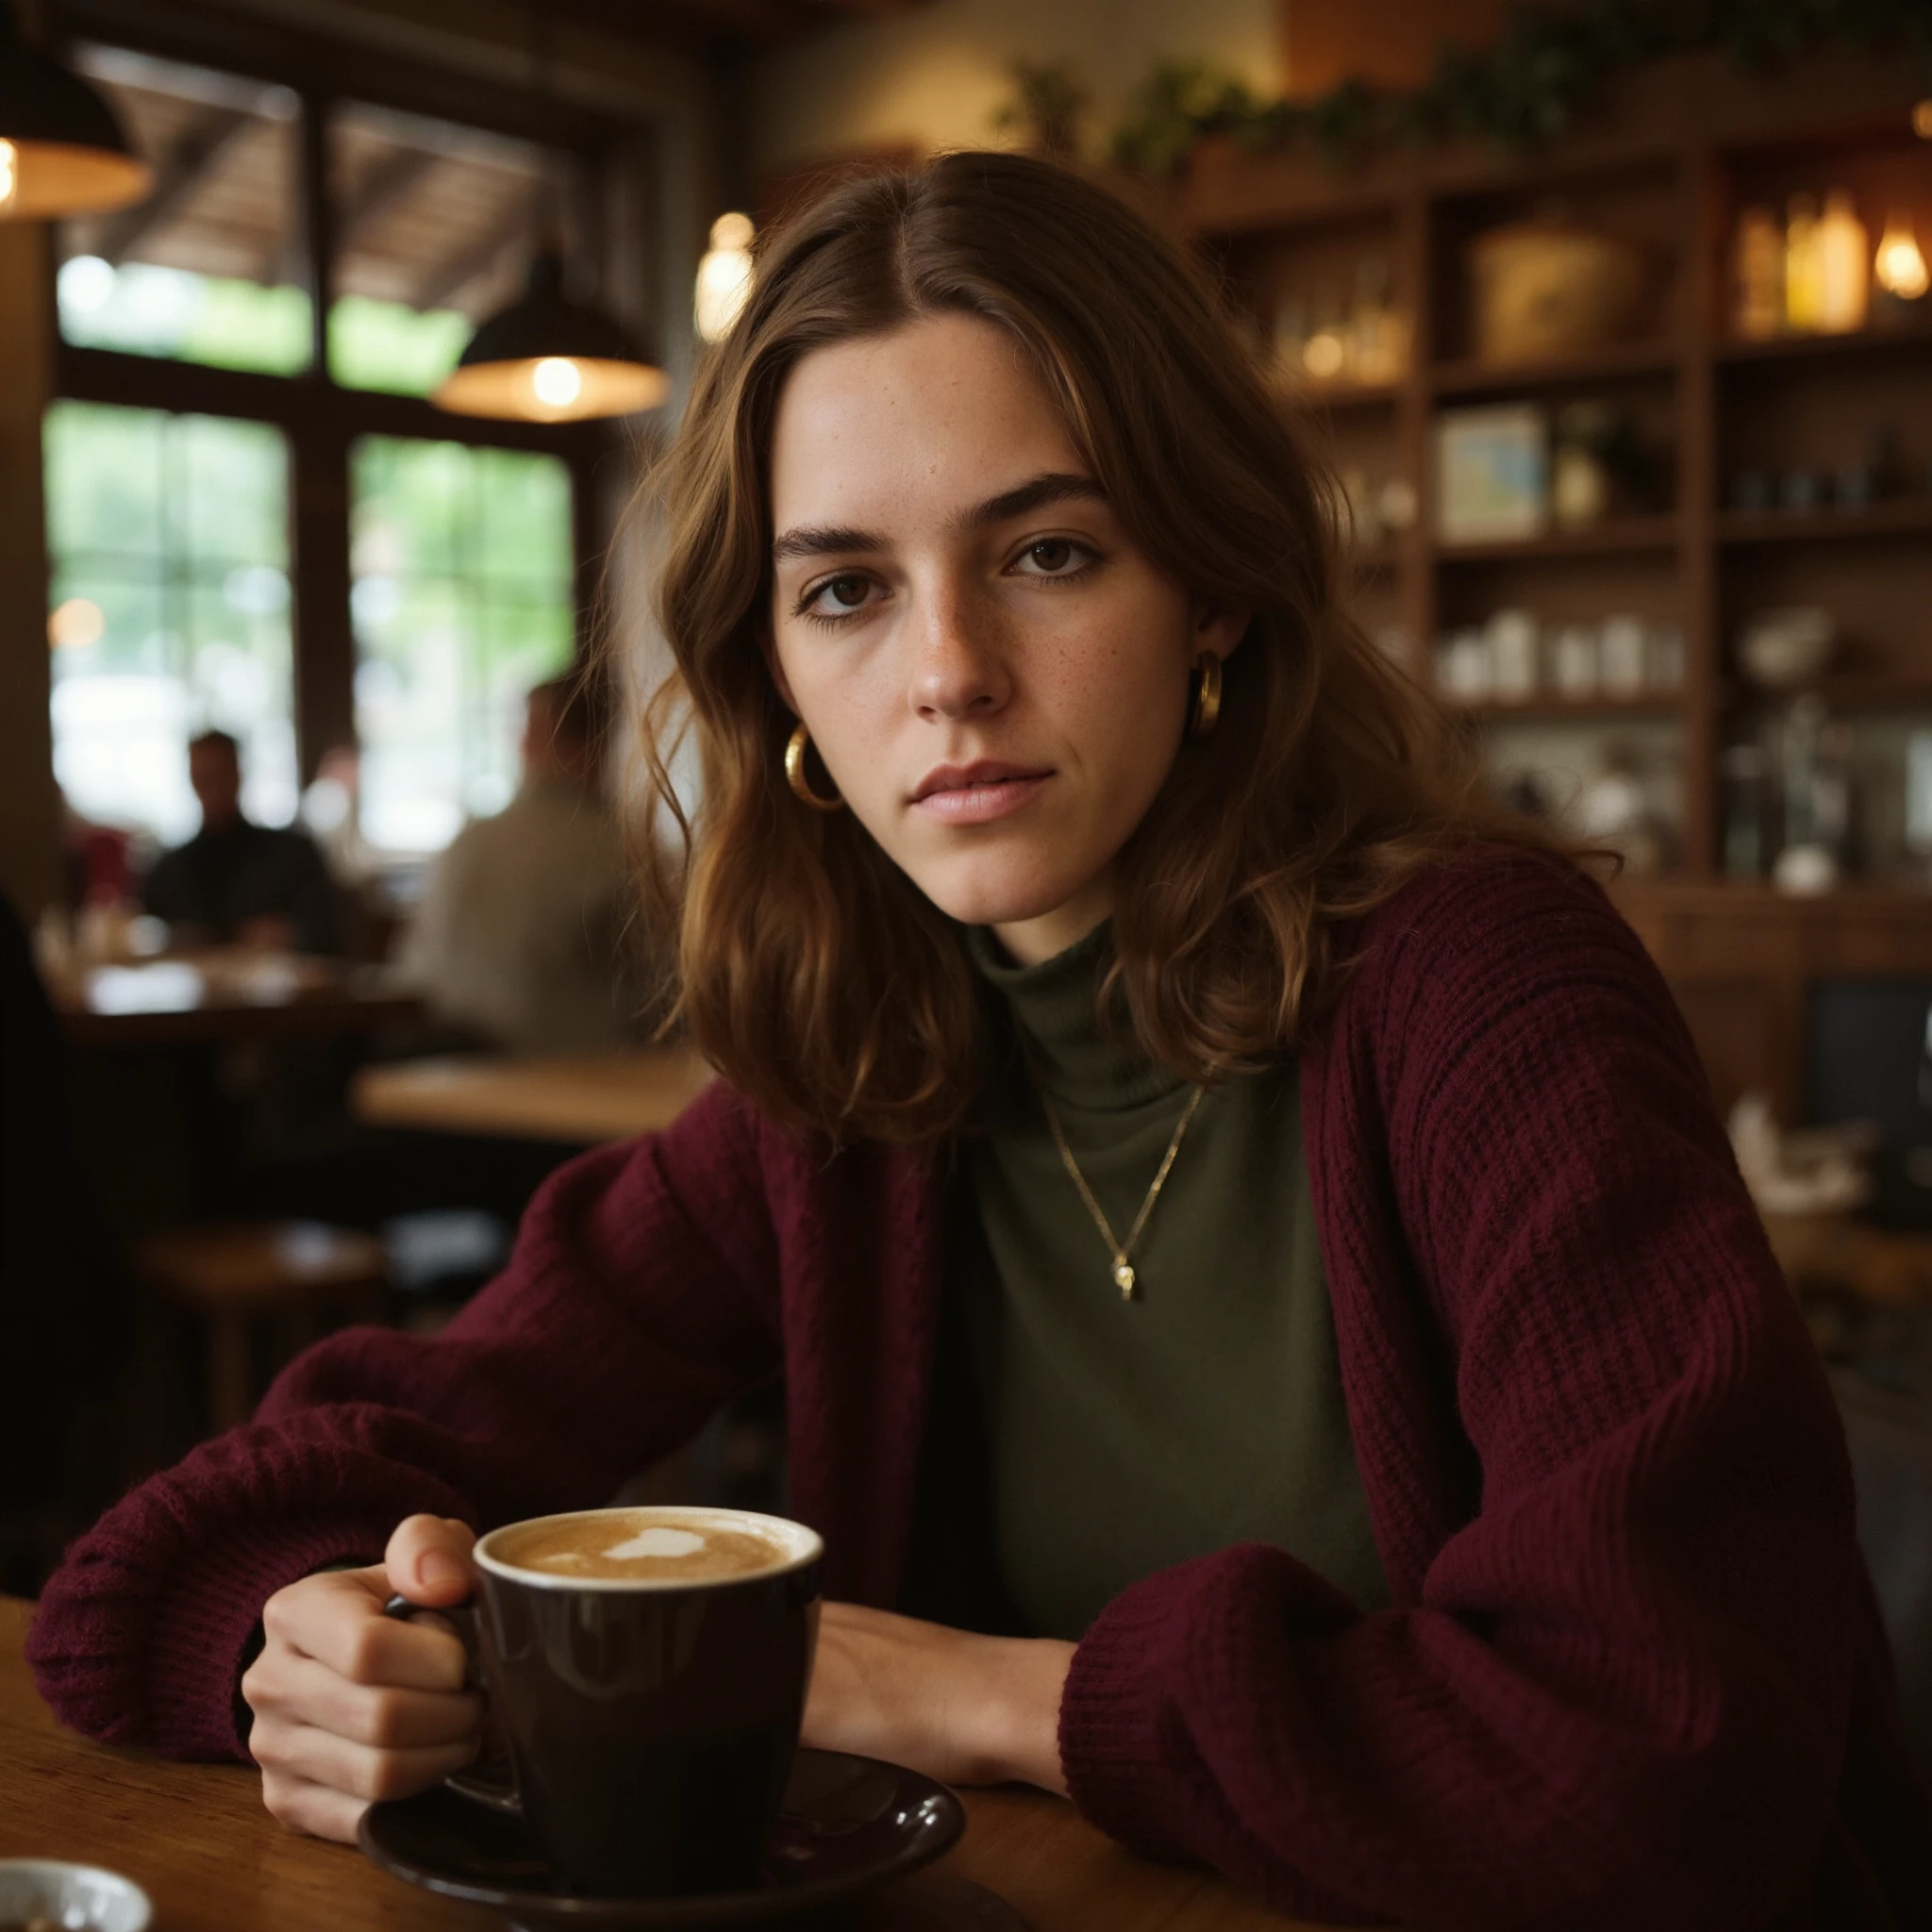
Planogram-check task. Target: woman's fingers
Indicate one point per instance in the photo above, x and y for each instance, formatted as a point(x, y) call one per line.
point(428, 1559)
point(306, 1753)
point(293, 1687)
point(318, 1809)
point(352, 1707)
point(337, 1620)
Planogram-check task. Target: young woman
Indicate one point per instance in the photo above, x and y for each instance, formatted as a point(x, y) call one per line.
point(1274, 1336)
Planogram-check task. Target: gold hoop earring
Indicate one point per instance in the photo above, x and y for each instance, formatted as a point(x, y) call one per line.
point(1204, 713)
point(795, 774)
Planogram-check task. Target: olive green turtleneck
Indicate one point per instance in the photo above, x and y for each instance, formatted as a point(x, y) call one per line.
point(1124, 1437)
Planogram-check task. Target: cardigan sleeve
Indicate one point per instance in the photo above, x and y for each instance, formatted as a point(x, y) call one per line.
point(1616, 1689)
point(638, 1297)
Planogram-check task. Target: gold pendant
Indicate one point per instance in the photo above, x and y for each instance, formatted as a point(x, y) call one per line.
point(1123, 1278)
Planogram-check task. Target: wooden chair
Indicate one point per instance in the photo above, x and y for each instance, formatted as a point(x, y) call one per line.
point(290, 1279)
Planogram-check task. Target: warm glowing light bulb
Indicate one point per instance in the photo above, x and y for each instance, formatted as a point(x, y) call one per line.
point(556, 381)
point(723, 277)
point(1899, 267)
point(1324, 355)
point(1922, 120)
point(10, 171)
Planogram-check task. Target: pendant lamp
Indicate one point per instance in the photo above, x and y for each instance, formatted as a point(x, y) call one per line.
point(61, 150)
point(546, 358)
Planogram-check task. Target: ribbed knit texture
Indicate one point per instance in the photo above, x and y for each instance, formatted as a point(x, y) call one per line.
point(1632, 1674)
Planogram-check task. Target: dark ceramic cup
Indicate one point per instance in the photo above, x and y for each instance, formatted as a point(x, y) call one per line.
point(651, 1722)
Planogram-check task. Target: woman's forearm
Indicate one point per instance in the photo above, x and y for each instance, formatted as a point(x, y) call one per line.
point(1021, 1681)
point(971, 1709)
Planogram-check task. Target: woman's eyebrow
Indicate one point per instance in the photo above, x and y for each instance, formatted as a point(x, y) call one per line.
point(1037, 492)
point(1050, 486)
point(809, 540)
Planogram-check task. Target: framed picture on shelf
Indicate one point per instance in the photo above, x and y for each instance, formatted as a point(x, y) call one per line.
point(1492, 474)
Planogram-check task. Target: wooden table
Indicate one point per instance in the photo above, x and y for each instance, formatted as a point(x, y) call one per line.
point(196, 1839)
point(215, 998)
point(579, 1098)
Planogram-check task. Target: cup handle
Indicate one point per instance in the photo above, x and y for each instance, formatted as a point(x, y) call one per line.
point(499, 1794)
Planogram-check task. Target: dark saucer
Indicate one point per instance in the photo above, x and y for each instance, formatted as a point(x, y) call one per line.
point(847, 1824)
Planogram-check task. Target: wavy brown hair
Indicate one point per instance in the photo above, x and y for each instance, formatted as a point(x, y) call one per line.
point(812, 972)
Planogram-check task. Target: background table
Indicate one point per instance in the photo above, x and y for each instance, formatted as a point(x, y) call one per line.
point(195, 1836)
point(580, 1098)
point(216, 998)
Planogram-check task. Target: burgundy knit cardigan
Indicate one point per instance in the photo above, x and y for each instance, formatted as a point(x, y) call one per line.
point(1631, 1676)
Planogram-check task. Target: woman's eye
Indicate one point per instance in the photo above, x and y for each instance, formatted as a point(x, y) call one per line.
point(1053, 556)
point(836, 597)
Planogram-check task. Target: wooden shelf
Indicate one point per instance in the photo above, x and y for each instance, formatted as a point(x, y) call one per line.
point(1903, 516)
point(1579, 710)
point(1822, 347)
point(1670, 155)
point(1849, 691)
point(1344, 396)
point(1472, 380)
point(1616, 537)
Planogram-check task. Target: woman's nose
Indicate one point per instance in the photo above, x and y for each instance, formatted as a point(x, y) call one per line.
point(960, 669)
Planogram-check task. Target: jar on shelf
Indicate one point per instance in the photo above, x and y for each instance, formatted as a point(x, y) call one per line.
point(1572, 661)
point(1514, 640)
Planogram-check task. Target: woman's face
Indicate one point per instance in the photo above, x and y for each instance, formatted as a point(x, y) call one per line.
point(996, 679)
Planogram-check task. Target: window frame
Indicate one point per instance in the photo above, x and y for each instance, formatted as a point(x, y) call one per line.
point(321, 418)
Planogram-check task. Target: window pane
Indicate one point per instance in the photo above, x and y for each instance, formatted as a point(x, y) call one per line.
point(209, 268)
point(435, 225)
point(462, 601)
point(169, 611)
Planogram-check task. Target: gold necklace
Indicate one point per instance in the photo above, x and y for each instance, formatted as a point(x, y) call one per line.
point(1123, 1269)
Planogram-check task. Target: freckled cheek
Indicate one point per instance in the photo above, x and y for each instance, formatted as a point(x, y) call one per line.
point(1110, 688)
point(853, 716)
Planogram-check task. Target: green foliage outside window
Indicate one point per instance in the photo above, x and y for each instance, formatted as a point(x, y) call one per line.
point(168, 543)
point(144, 310)
point(384, 345)
point(463, 600)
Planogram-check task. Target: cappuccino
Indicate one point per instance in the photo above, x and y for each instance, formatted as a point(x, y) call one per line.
point(642, 1546)
point(647, 1668)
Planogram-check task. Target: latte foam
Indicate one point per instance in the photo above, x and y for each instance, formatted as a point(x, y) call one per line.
point(640, 1545)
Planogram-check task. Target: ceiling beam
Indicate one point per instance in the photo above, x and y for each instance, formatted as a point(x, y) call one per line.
point(388, 182)
point(441, 280)
point(194, 153)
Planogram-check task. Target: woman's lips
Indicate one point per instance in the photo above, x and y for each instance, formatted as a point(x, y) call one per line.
point(965, 800)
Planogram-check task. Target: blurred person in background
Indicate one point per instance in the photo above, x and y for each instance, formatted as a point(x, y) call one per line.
point(521, 930)
point(235, 882)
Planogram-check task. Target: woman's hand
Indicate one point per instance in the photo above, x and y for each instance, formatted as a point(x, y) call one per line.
point(351, 1706)
point(972, 1710)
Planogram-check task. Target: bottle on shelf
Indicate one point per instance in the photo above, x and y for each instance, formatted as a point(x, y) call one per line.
point(1815, 755)
point(1844, 251)
point(1748, 801)
point(1377, 336)
point(1758, 265)
point(1803, 267)
point(1324, 355)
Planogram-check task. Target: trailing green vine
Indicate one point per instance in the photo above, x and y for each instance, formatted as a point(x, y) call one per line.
point(1523, 92)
